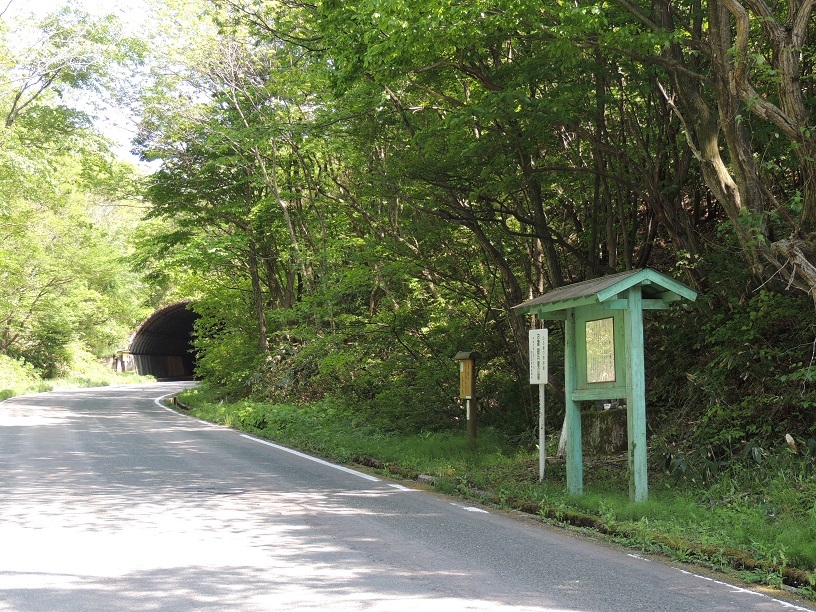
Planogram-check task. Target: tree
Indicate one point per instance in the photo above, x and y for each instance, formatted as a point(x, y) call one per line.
point(737, 89)
point(236, 163)
point(63, 279)
point(473, 134)
point(71, 51)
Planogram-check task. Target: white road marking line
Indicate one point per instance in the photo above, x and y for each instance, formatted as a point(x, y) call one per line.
point(400, 487)
point(310, 458)
point(736, 589)
point(470, 508)
point(158, 400)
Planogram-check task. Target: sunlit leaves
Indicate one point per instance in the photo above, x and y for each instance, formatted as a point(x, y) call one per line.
point(67, 204)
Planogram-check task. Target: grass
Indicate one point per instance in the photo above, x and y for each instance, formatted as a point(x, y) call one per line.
point(17, 378)
point(755, 522)
point(73, 382)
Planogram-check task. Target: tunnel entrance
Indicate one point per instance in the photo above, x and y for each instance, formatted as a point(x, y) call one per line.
point(162, 346)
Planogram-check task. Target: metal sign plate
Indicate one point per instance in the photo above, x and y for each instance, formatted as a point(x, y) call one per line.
point(538, 356)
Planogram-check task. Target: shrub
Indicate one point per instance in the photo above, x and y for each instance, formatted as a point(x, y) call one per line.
point(15, 376)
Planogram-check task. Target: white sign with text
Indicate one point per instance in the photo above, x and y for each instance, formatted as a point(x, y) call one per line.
point(538, 356)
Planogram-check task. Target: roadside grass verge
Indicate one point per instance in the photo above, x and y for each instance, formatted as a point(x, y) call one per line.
point(754, 522)
point(19, 378)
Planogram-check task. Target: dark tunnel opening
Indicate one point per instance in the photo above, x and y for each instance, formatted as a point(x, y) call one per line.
point(162, 346)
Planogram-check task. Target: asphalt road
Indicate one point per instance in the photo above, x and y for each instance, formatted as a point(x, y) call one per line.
point(109, 501)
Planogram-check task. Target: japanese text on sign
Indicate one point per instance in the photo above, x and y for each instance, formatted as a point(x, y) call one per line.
point(538, 356)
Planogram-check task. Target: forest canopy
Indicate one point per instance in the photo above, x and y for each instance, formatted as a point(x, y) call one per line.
point(67, 204)
point(352, 192)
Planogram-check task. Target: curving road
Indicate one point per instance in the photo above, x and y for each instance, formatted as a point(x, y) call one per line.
point(109, 501)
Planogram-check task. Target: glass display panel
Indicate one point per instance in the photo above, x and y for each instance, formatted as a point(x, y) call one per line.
point(600, 350)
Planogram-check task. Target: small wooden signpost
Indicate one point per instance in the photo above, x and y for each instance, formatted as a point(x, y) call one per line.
point(467, 389)
point(603, 355)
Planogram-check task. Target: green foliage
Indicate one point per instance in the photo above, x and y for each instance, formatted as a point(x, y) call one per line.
point(15, 376)
point(227, 351)
point(732, 371)
point(67, 203)
point(49, 352)
point(82, 370)
point(355, 198)
point(63, 266)
point(339, 434)
point(389, 388)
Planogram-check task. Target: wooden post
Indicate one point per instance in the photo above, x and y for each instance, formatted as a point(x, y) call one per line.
point(542, 433)
point(471, 420)
point(575, 457)
point(636, 398)
point(539, 375)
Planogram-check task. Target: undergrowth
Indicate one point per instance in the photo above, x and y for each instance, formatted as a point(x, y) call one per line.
point(19, 378)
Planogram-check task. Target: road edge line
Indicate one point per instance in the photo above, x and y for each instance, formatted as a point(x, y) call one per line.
point(311, 458)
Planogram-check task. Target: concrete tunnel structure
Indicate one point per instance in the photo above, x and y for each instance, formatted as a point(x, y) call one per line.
point(162, 346)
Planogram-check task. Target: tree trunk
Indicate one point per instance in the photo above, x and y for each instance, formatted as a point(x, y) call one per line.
point(703, 131)
point(258, 300)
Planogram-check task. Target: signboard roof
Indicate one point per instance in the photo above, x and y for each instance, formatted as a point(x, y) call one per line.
point(655, 286)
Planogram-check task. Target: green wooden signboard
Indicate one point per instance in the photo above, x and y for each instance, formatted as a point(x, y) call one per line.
point(603, 356)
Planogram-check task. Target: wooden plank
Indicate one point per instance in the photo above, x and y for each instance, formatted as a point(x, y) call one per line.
point(632, 280)
point(624, 305)
point(606, 288)
point(636, 398)
point(671, 285)
point(559, 315)
point(555, 306)
point(644, 277)
point(615, 305)
point(575, 458)
point(599, 393)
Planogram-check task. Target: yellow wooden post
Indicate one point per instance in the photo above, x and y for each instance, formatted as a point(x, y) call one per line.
point(467, 389)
